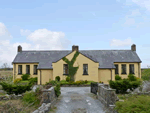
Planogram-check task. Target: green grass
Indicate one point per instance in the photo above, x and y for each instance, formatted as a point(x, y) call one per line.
point(26, 81)
point(145, 74)
point(133, 104)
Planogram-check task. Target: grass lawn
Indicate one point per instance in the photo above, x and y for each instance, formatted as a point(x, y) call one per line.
point(133, 104)
point(25, 81)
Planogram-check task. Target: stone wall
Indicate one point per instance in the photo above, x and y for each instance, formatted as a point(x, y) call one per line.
point(11, 97)
point(48, 100)
point(107, 96)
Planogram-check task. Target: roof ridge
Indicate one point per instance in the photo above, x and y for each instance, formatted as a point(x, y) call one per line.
point(79, 50)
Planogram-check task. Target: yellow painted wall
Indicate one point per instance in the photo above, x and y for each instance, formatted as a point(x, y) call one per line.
point(105, 75)
point(15, 70)
point(46, 75)
point(136, 69)
point(92, 68)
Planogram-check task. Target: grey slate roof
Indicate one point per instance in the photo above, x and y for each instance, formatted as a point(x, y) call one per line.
point(106, 58)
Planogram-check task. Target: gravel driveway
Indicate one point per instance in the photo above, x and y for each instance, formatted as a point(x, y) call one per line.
point(77, 100)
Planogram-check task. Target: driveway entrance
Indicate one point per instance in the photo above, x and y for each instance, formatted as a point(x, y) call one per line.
point(78, 100)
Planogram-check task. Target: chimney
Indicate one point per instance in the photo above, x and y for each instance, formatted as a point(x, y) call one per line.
point(75, 48)
point(133, 47)
point(19, 48)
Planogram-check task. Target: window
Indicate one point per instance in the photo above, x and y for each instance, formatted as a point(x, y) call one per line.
point(85, 69)
point(19, 69)
point(27, 69)
point(131, 68)
point(116, 70)
point(123, 69)
point(66, 72)
point(35, 69)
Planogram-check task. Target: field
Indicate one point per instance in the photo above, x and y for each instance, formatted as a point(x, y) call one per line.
point(6, 73)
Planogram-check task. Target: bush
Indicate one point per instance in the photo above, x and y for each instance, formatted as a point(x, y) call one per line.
point(134, 104)
point(25, 76)
point(67, 79)
point(121, 86)
point(31, 97)
point(131, 77)
point(15, 89)
point(117, 77)
point(33, 80)
point(85, 81)
point(57, 78)
point(52, 82)
point(17, 80)
point(78, 82)
point(57, 90)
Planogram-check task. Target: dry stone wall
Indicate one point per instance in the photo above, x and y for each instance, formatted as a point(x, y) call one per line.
point(48, 100)
point(107, 96)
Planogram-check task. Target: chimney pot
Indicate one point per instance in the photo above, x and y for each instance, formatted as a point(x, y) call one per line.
point(133, 47)
point(76, 48)
point(19, 48)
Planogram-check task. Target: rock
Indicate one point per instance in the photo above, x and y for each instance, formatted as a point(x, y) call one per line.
point(35, 87)
point(36, 111)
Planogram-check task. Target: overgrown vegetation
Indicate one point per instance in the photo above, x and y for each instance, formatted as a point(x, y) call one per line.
point(72, 70)
point(57, 78)
point(32, 98)
point(67, 79)
point(14, 88)
point(64, 82)
point(25, 76)
point(122, 85)
point(17, 80)
point(33, 80)
point(57, 90)
point(117, 77)
point(134, 104)
point(146, 74)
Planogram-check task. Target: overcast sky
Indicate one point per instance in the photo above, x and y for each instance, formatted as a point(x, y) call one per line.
point(59, 24)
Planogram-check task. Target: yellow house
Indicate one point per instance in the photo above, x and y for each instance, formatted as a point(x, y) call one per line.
point(94, 65)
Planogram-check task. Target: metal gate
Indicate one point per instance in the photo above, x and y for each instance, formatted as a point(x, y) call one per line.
point(94, 88)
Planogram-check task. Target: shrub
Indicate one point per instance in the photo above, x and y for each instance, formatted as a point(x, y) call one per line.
point(33, 80)
point(25, 76)
point(57, 78)
point(117, 77)
point(134, 104)
point(131, 77)
point(52, 82)
point(15, 89)
point(86, 81)
point(57, 90)
point(30, 97)
point(78, 82)
point(67, 79)
point(17, 80)
point(121, 86)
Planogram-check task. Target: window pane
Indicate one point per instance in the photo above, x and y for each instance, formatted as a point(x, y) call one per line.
point(123, 69)
point(27, 69)
point(116, 70)
point(35, 69)
point(131, 68)
point(66, 70)
point(85, 68)
point(20, 69)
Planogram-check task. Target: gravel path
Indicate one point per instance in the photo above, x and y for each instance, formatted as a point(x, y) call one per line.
point(77, 100)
